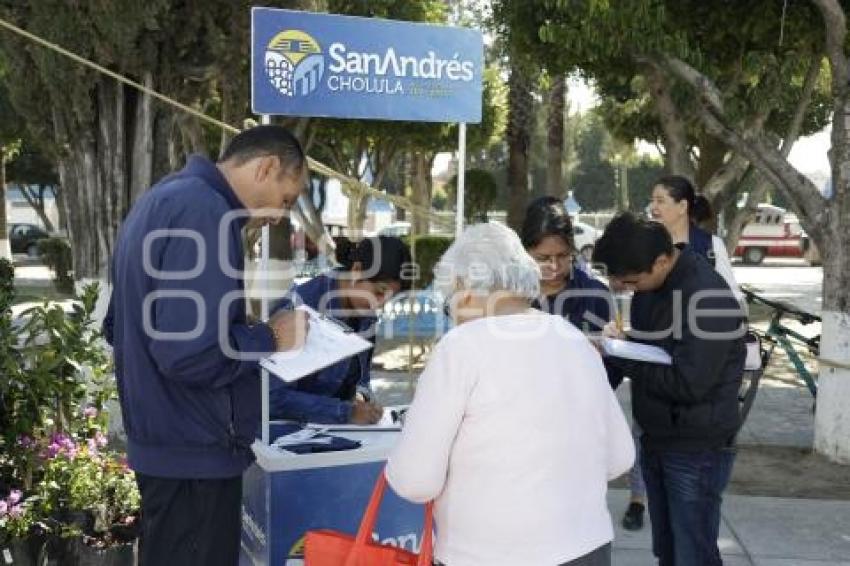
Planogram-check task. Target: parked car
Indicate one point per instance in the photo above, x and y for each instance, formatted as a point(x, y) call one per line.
point(772, 232)
point(24, 238)
point(585, 237)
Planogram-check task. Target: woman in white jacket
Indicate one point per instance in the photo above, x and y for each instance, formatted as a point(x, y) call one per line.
point(514, 430)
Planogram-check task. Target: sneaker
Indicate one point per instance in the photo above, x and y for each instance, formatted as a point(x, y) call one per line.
point(633, 518)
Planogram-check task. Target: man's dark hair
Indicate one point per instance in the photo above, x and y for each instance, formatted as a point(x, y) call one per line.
point(630, 245)
point(546, 216)
point(264, 141)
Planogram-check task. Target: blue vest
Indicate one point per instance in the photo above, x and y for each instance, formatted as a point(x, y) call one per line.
point(700, 241)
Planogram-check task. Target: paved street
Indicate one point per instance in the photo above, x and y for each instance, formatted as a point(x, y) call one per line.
point(789, 280)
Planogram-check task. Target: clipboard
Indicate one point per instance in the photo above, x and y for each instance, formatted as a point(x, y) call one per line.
point(328, 342)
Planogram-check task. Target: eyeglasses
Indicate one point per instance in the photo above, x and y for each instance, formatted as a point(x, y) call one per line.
point(555, 258)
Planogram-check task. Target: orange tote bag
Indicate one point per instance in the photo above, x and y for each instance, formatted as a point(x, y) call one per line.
point(332, 548)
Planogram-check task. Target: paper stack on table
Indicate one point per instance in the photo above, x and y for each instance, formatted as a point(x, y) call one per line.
point(328, 341)
point(392, 419)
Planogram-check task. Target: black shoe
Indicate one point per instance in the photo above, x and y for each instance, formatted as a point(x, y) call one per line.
point(633, 518)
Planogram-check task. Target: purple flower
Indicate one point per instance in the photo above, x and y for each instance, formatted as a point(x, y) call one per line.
point(14, 497)
point(26, 442)
point(16, 511)
point(90, 412)
point(51, 451)
point(100, 439)
point(92, 445)
point(3, 508)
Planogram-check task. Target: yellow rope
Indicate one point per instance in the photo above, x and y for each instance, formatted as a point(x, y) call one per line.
point(353, 185)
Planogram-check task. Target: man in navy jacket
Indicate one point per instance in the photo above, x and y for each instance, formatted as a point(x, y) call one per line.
point(185, 353)
point(688, 410)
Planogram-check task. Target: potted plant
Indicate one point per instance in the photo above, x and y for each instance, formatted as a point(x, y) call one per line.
point(91, 500)
point(55, 381)
point(17, 520)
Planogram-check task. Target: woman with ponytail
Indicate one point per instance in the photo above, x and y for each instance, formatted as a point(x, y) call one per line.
point(370, 272)
point(676, 204)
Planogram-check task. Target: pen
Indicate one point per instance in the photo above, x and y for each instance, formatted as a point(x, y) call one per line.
point(618, 315)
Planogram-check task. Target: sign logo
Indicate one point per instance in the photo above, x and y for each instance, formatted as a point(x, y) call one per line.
point(294, 63)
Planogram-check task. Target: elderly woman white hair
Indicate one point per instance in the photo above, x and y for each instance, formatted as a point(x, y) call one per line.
point(514, 430)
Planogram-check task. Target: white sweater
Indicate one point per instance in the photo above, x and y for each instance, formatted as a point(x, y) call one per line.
point(515, 431)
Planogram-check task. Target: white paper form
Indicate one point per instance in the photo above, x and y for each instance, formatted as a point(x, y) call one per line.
point(392, 419)
point(653, 354)
point(635, 351)
point(328, 341)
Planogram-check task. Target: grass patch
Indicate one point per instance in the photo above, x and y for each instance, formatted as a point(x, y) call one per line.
point(38, 294)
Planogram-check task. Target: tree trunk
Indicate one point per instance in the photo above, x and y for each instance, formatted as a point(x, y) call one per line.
point(97, 171)
point(677, 158)
point(520, 111)
point(59, 193)
point(832, 418)
point(357, 203)
point(735, 225)
point(825, 220)
point(421, 195)
point(555, 134)
point(622, 186)
point(712, 156)
point(36, 202)
point(5, 248)
point(143, 139)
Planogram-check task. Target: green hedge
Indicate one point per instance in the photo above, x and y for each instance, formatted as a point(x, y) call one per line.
point(56, 254)
point(428, 250)
point(7, 284)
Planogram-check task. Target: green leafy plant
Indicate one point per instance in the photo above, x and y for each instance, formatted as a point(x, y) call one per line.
point(58, 376)
point(17, 516)
point(88, 492)
point(428, 250)
point(56, 253)
point(480, 192)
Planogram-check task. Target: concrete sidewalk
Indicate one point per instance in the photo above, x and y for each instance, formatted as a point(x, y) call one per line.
point(756, 531)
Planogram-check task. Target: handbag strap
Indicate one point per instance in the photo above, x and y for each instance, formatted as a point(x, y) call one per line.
point(370, 517)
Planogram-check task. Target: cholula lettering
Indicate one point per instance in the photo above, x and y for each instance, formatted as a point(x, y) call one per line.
point(430, 67)
point(344, 83)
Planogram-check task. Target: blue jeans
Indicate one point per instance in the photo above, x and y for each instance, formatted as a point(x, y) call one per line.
point(684, 491)
point(636, 485)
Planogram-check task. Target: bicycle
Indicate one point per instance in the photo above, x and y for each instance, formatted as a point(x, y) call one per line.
point(778, 334)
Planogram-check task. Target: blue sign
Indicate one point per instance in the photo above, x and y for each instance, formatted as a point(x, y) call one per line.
point(308, 64)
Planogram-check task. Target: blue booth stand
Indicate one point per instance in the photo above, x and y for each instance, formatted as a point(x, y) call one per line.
point(286, 494)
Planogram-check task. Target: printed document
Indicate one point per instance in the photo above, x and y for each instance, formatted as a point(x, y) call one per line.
point(328, 341)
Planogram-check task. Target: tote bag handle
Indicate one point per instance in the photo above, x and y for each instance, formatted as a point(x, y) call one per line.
point(370, 517)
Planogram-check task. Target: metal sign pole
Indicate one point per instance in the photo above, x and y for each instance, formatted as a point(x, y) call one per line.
point(264, 310)
point(461, 177)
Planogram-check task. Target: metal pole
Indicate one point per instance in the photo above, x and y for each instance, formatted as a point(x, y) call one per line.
point(461, 177)
point(264, 311)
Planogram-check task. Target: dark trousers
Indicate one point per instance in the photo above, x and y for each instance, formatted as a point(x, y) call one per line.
point(684, 491)
point(190, 522)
